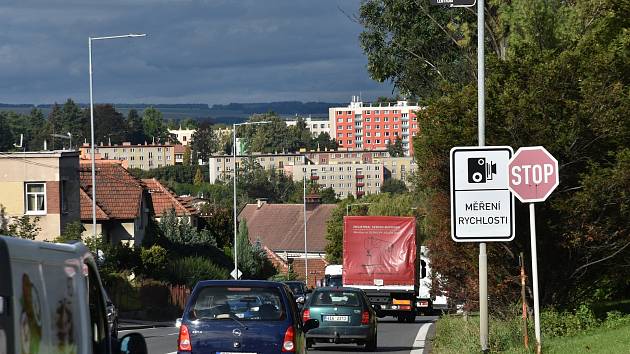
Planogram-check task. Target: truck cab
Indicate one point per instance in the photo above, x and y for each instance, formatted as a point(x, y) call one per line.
point(333, 275)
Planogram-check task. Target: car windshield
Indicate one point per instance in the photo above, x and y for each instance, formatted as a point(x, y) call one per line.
point(336, 298)
point(296, 288)
point(333, 280)
point(241, 303)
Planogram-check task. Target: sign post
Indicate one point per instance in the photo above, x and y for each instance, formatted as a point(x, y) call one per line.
point(533, 175)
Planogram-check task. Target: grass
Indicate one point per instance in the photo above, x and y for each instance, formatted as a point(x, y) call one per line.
point(600, 340)
point(456, 334)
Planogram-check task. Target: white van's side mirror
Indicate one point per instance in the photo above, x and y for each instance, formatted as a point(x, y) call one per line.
point(133, 343)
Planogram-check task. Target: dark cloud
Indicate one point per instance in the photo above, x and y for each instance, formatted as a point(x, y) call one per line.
point(196, 51)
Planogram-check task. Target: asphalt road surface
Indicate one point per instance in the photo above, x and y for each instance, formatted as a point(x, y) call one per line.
point(393, 338)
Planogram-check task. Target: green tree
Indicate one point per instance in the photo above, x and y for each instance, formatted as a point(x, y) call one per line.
point(198, 177)
point(187, 154)
point(394, 186)
point(109, 126)
point(72, 232)
point(6, 136)
point(253, 261)
point(396, 149)
point(154, 126)
point(68, 118)
point(558, 77)
point(135, 128)
point(204, 142)
point(24, 227)
point(179, 230)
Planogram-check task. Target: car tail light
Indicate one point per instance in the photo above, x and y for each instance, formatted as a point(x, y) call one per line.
point(184, 339)
point(288, 345)
point(365, 318)
point(306, 315)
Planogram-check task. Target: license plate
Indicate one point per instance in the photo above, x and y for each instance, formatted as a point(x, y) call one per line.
point(234, 353)
point(336, 318)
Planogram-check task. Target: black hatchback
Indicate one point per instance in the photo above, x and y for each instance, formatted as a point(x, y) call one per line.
point(243, 316)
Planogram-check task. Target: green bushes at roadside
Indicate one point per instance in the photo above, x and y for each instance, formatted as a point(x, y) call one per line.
point(189, 270)
point(458, 334)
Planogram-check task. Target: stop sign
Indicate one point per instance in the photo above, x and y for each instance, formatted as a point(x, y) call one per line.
point(532, 174)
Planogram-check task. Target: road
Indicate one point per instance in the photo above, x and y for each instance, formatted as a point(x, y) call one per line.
point(393, 338)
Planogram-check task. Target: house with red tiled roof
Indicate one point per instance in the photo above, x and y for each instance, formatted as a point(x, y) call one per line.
point(279, 228)
point(122, 211)
point(163, 200)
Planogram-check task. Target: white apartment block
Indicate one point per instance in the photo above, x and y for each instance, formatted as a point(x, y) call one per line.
point(184, 136)
point(314, 125)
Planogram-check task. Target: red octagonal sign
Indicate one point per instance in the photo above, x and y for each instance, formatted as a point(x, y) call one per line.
point(532, 174)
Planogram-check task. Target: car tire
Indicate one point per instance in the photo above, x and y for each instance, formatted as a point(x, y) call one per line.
point(371, 344)
point(410, 318)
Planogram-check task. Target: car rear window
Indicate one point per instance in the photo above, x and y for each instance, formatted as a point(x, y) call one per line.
point(242, 303)
point(336, 298)
point(296, 288)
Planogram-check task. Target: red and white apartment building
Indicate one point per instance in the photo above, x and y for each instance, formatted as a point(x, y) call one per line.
point(371, 126)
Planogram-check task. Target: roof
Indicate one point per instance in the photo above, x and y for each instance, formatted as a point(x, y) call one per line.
point(280, 227)
point(164, 199)
point(179, 149)
point(118, 193)
point(86, 208)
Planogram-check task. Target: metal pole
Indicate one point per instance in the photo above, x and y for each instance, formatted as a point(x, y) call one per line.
point(92, 142)
point(234, 183)
point(483, 258)
point(532, 229)
point(305, 249)
point(521, 262)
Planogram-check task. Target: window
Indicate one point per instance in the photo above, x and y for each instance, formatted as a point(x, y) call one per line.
point(339, 120)
point(159, 149)
point(367, 112)
point(349, 141)
point(35, 198)
point(349, 112)
point(349, 120)
point(368, 119)
point(339, 112)
point(377, 119)
point(96, 304)
point(349, 127)
point(349, 135)
point(385, 119)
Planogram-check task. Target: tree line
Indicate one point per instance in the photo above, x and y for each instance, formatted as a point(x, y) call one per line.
point(557, 76)
point(69, 119)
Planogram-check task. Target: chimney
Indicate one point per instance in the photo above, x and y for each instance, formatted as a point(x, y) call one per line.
point(260, 202)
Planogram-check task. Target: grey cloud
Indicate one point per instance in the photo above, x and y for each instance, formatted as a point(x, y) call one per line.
point(196, 51)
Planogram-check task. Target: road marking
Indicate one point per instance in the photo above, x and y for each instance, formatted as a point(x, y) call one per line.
point(421, 338)
point(173, 334)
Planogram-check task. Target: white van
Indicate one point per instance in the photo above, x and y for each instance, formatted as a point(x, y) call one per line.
point(52, 301)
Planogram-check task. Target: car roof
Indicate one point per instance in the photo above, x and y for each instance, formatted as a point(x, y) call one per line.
point(338, 288)
point(293, 282)
point(240, 283)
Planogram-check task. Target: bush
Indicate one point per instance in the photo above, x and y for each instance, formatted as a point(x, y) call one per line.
point(190, 270)
point(556, 324)
point(154, 261)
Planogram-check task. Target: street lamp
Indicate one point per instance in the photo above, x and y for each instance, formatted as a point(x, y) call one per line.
point(234, 182)
point(90, 39)
point(305, 249)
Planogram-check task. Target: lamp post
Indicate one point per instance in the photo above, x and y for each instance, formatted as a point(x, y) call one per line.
point(305, 248)
point(236, 276)
point(90, 39)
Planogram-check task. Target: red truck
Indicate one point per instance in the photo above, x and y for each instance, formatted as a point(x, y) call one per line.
point(381, 257)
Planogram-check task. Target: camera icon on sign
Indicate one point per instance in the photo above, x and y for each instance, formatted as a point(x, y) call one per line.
point(480, 171)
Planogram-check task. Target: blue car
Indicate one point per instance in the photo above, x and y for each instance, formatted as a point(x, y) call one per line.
point(242, 316)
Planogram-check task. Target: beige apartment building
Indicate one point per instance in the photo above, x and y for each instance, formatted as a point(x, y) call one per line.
point(144, 157)
point(346, 179)
point(221, 166)
point(42, 185)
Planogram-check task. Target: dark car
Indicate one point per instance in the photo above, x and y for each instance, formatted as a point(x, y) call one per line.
point(112, 317)
point(298, 288)
point(249, 316)
point(345, 316)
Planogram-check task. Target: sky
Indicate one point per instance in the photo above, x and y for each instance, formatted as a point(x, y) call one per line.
point(213, 51)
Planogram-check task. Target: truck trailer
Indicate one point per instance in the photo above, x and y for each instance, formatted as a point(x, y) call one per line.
point(381, 256)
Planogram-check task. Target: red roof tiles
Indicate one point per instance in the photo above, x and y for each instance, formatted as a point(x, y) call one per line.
point(164, 200)
point(118, 193)
point(86, 208)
